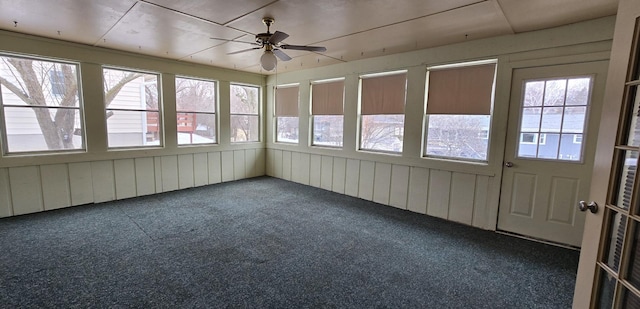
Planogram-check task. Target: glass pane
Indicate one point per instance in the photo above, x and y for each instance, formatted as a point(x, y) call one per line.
point(287, 129)
point(133, 128)
point(193, 95)
point(634, 126)
point(570, 147)
point(196, 128)
point(573, 121)
point(530, 119)
point(630, 300)
point(615, 236)
point(548, 146)
point(34, 129)
point(458, 136)
point(533, 93)
point(551, 119)
point(625, 178)
point(382, 132)
point(528, 146)
point(606, 289)
point(245, 128)
point(578, 91)
point(327, 130)
point(245, 99)
point(554, 92)
point(633, 272)
point(130, 90)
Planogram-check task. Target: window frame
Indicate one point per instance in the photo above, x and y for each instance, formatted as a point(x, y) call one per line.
point(312, 119)
point(4, 138)
point(215, 113)
point(259, 114)
point(276, 117)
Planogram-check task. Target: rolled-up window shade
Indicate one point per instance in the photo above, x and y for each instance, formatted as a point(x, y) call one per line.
point(384, 94)
point(287, 101)
point(461, 90)
point(327, 98)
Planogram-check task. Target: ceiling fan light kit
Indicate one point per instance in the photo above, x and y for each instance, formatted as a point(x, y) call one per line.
point(268, 60)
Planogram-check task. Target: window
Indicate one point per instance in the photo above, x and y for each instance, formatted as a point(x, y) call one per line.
point(132, 108)
point(245, 113)
point(41, 105)
point(287, 114)
point(195, 111)
point(556, 110)
point(382, 99)
point(327, 104)
point(458, 115)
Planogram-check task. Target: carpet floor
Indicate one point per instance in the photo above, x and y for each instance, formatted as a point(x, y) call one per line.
point(270, 243)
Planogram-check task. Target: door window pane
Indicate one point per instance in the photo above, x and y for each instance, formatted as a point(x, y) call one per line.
point(614, 239)
point(633, 272)
point(625, 178)
point(607, 289)
point(634, 130)
point(533, 93)
point(551, 119)
point(630, 300)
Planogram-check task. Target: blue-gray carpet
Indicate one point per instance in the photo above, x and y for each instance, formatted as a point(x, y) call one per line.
point(270, 243)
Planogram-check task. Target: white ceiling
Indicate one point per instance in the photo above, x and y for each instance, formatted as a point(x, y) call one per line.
point(350, 29)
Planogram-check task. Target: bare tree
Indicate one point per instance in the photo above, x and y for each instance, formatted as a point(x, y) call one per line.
point(458, 136)
point(244, 101)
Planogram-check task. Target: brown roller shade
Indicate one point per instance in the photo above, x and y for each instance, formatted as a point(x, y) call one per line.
point(327, 98)
point(384, 94)
point(461, 90)
point(287, 101)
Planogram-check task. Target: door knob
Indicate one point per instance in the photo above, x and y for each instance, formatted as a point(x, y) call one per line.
point(509, 164)
point(592, 206)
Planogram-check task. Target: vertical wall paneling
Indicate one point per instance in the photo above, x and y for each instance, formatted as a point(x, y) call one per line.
point(250, 163)
point(157, 168)
point(286, 165)
point(315, 168)
point(80, 183)
point(295, 167)
point(270, 168)
point(305, 168)
point(103, 179)
point(365, 187)
point(200, 169)
point(260, 162)
point(125, 178)
point(382, 183)
point(439, 191)
point(170, 173)
point(227, 166)
point(352, 178)
point(185, 171)
point(326, 173)
point(339, 169)
point(26, 189)
point(215, 169)
point(55, 186)
point(399, 186)
point(277, 163)
point(239, 168)
point(463, 187)
point(418, 189)
point(480, 209)
point(5, 194)
point(145, 176)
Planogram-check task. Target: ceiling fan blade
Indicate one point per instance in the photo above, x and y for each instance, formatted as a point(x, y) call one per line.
point(308, 48)
point(277, 37)
point(243, 50)
point(235, 41)
point(281, 55)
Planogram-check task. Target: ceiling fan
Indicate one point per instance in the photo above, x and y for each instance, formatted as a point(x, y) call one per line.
point(271, 42)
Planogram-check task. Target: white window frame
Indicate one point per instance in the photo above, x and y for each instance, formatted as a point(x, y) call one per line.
point(312, 122)
point(215, 112)
point(259, 114)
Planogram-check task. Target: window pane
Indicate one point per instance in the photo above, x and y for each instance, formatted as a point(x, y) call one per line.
point(382, 132)
point(607, 288)
point(625, 176)
point(570, 149)
point(531, 119)
point(634, 126)
point(245, 128)
point(245, 99)
point(548, 146)
point(327, 130)
point(195, 128)
point(194, 95)
point(133, 128)
point(533, 93)
point(458, 136)
point(615, 236)
point(574, 119)
point(551, 119)
point(629, 299)
point(578, 91)
point(130, 90)
point(287, 129)
point(56, 124)
point(554, 92)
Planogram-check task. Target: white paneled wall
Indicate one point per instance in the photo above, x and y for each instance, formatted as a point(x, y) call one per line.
point(44, 187)
point(422, 190)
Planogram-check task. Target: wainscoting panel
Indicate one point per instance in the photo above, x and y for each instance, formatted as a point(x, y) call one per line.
point(239, 162)
point(55, 186)
point(145, 176)
point(6, 209)
point(157, 171)
point(81, 183)
point(286, 165)
point(454, 196)
point(26, 189)
point(104, 189)
point(227, 166)
point(215, 169)
point(185, 171)
point(125, 178)
point(250, 163)
point(200, 170)
point(170, 173)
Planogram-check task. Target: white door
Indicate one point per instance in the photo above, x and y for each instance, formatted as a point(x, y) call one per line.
point(609, 269)
point(553, 122)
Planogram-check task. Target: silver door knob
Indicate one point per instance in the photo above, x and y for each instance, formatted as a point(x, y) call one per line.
point(592, 206)
point(509, 164)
